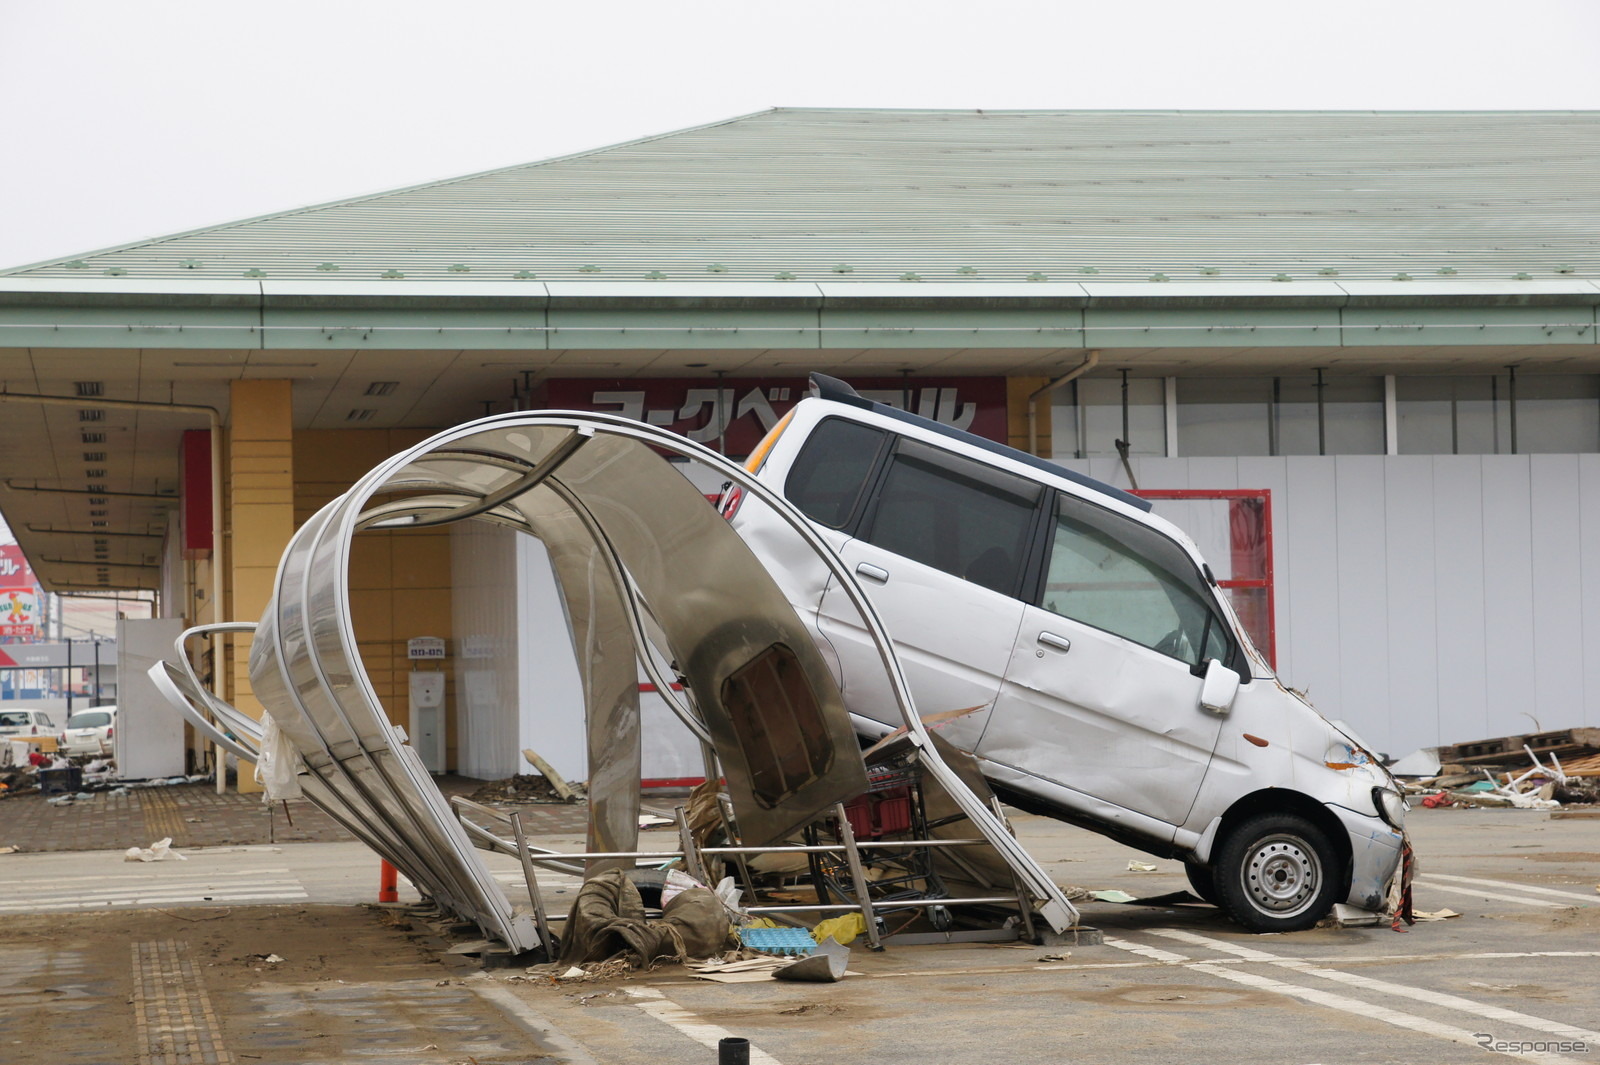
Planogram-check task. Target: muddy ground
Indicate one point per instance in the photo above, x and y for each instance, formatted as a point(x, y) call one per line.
point(196, 985)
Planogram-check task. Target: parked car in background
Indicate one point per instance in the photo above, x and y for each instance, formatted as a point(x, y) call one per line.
point(26, 721)
point(89, 731)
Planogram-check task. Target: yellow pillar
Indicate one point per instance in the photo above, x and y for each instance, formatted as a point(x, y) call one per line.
point(260, 479)
point(1017, 391)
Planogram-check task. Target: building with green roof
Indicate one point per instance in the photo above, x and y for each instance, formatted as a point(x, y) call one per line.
point(1379, 328)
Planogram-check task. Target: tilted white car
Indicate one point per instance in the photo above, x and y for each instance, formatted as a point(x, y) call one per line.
point(1078, 646)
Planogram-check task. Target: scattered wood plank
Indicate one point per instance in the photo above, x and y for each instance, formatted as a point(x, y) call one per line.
point(547, 771)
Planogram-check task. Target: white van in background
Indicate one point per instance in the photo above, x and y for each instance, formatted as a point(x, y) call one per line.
point(1077, 645)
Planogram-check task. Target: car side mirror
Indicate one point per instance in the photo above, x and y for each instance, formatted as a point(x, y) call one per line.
point(1218, 689)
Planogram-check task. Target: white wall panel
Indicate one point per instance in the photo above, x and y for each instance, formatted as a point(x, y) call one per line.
point(1458, 581)
point(1558, 683)
point(551, 712)
point(483, 567)
point(1310, 582)
point(1362, 577)
point(1219, 473)
point(1427, 599)
point(1162, 472)
point(1508, 594)
point(1410, 598)
point(1588, 490)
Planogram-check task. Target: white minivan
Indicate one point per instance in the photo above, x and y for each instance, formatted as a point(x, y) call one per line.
point(1078, 646)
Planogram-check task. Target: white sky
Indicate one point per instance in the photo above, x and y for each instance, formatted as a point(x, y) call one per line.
point(134, 118)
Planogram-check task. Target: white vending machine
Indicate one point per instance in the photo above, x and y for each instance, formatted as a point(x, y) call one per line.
point(427, 718)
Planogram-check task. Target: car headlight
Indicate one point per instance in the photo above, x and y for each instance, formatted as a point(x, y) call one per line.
point(1391, 806)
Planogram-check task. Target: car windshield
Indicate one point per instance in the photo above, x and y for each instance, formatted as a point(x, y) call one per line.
point(93, 719)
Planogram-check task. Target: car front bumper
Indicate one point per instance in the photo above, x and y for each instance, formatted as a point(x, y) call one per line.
point(1374, 856)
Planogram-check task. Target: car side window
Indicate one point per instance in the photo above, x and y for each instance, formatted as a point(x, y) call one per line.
point(959, 516)
point(829, 474)
point(1113, 573)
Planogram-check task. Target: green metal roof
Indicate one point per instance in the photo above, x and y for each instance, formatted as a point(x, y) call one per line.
point(963, 196)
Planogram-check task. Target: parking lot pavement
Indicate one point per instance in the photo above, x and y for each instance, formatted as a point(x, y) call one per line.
point(194, 815)
point(1515, 977)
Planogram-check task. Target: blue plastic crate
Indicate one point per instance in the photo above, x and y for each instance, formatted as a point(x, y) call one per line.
point(795, 941)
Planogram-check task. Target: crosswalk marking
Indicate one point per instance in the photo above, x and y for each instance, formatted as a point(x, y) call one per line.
point(1330, 1000)
point(68, 894)
point(149, 900)
point(148, 872)
point(1480, 893)
point(1590, 900)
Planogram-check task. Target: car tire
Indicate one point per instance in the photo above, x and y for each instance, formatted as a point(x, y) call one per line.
point(1202, 880)
point(1277, 873)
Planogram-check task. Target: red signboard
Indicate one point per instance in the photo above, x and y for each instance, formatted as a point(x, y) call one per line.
point(19, 594)
point(737, 412)
point(197, 493)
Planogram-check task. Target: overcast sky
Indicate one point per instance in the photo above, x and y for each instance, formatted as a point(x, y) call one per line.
point(131, 119)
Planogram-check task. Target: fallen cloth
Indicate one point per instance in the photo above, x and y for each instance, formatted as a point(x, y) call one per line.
point(608, 921)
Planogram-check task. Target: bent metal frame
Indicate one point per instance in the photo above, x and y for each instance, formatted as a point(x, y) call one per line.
point(641, 562)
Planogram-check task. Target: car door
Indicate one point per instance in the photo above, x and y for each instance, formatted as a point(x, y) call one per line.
point(1101, 694)
point(940, 549)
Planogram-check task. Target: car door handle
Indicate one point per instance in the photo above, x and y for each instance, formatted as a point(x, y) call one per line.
point(1060, 643)
point(872, 573)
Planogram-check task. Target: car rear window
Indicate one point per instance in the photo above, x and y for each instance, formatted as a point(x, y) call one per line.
point(832, 469)
point(963, 517)
point(14, 718)
point(94, 719)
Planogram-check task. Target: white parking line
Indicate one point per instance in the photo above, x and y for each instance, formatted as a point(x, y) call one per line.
point(1420, 994)
point(1589, 900)
point(1342, 1003)
point(149, 873)
point(201, 885)
point(670, 1013)
point(149, 888)
point(243, 895)
point(1479, 893)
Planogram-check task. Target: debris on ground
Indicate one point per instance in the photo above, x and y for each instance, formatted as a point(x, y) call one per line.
point(1111, 895)
point(608, 921)
point(827, 963)
point(522, 788)
point(1535, 771)
point(159, 851)
point(558, 783)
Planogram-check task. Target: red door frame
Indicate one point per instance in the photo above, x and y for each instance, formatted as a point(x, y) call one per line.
point(1234, 496)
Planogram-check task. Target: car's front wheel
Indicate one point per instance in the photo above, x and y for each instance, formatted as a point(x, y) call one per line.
point(1277, 873)
point(1201, 879)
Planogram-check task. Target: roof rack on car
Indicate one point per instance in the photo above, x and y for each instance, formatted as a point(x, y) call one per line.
point(825, 387)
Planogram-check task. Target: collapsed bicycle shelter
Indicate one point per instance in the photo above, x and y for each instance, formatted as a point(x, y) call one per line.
point(651, 577)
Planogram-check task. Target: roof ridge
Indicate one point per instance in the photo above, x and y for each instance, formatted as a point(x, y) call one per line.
point(144, 242)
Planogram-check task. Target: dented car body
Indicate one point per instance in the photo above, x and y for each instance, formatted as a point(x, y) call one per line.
point(1082, 652)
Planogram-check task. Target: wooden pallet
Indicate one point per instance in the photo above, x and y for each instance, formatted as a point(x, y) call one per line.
point(1563, 743)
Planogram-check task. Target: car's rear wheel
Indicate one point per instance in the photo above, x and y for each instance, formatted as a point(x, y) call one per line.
point(1277, 873)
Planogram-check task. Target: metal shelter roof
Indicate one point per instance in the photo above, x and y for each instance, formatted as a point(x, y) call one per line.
point(962, 196)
